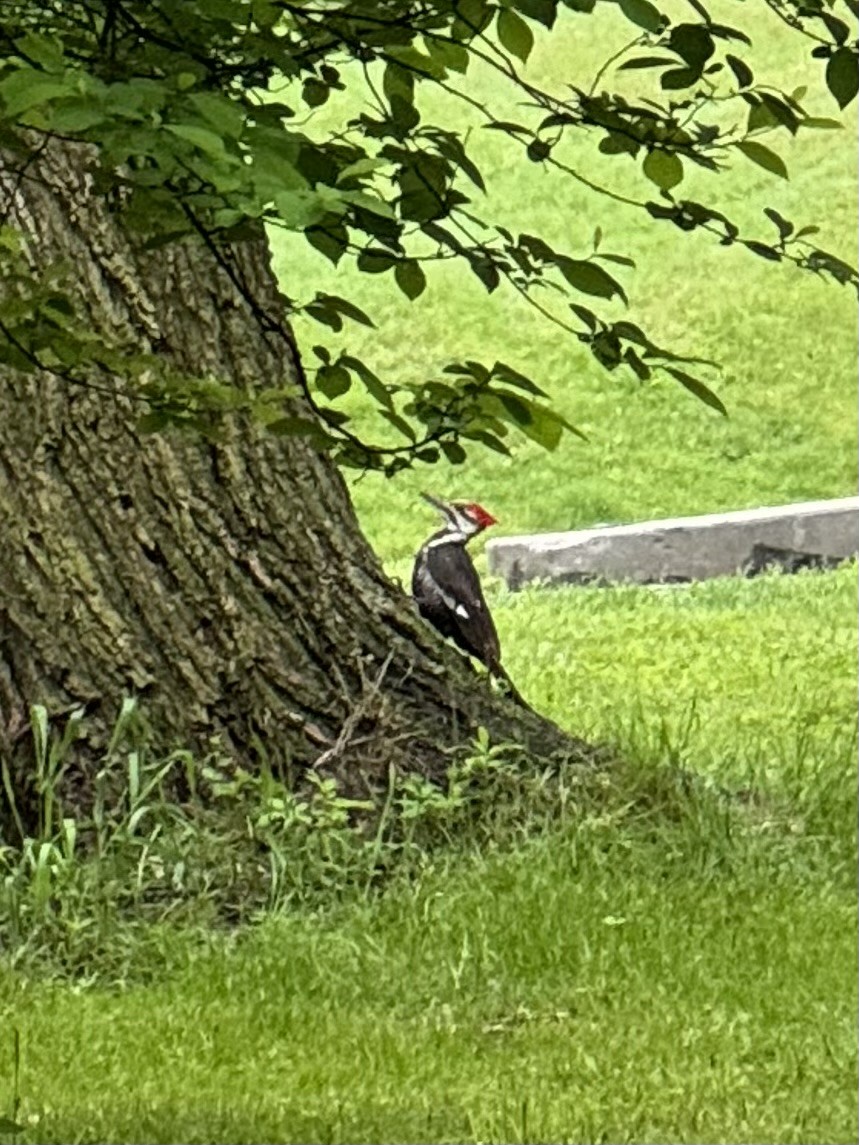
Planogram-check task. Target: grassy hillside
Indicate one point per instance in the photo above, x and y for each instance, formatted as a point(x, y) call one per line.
point(786, 341)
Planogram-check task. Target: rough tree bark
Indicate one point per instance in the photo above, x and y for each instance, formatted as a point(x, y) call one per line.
point(227, 585)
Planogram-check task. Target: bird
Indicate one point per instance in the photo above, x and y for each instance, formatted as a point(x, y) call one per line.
point(446, 587)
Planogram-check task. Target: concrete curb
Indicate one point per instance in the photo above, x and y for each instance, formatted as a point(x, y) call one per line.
point(680, 548)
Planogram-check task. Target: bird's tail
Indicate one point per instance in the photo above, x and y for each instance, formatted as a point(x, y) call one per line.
point(512, 690)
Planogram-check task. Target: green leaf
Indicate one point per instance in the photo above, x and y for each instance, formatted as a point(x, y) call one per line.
point(617, 144)
point(546, 427)
point(348, 309)
point(375, 260)
point(507, 127)
point(333, 304)
point(429, 455)
point(743, 74)
point(201, 137)
point(487, 439)
point(724, 32)
point(647, 62)
point(422, 193)
point(761, 116)
point(77, 115)
point(451, 55)
point(454, 150)
point(372, 203)
point(361, 167)
point(417, 62)
point(544, 11)
point(274, 165)
point(477, 370)
point(762, 250)
point(266, 13)
point(487, 272)
point(837, 29)
point(841, 271)
point(333, 381)
point(410, 278)
point(454, 452)
point(763, 157)
point(620, 259)
point(819, 124)
point(299, 210)
point(225, 114)
point(514, 34)
point(325, 316)
point(514, 378)
point(642, 13)
point(398, 81)
point(693, 43)
point(375, 387)
point(7, 1125)
point(46, 51)
point(26, 88)
point(781, 112)
point(664, 168)
point(538, 150)
point(679, 78)
point(590, 278)
point(330, 239)
point(640, 368)
point(697, 387)
point(399, 423)
point(584, 315)
point(519, 408)
point(475, 14)
point(842, 75)
point(315, 92)
point(785, 226)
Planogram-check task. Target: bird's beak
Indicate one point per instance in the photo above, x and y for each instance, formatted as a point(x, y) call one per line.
point(437, 503)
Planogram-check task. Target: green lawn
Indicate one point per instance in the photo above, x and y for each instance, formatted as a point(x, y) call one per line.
point(670, 968)
point(737, 677)
point(569, 992)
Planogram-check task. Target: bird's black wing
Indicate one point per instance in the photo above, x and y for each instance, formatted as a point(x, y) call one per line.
point(469, 620)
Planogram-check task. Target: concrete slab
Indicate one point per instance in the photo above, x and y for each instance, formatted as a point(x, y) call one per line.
point(677, 549)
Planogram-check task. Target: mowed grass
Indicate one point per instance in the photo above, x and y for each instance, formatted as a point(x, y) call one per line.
point(674, 968)
point(586, 988)
point(741, 679)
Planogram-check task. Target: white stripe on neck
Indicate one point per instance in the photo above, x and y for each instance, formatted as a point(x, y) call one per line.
point(452, 538)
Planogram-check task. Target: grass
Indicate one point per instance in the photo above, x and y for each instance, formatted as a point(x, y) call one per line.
point(595, 986)
point(740, 676)
point(647, 963)
point(577, 991)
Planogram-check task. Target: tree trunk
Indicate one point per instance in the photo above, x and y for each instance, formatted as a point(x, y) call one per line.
point(226, 585)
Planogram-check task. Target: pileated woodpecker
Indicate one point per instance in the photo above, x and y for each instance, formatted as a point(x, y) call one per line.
point(447, 589)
